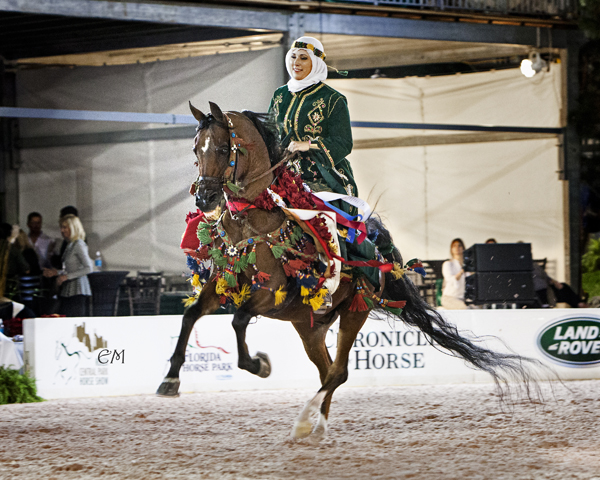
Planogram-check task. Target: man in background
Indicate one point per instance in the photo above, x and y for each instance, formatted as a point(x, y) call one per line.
point(42, 243)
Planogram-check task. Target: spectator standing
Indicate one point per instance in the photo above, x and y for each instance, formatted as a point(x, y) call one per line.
point(58, 252)
point(72, 279)
point(12, 263)
point(29, 254)
point(42, 243)
point(453, 293)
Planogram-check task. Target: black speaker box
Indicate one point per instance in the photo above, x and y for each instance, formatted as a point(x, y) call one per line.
point(499, 287)
point(498, 257)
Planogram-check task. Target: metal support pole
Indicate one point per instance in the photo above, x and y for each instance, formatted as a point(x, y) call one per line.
point(572, 166)
point(9, 154)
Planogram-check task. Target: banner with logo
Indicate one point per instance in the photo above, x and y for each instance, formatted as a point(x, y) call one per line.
point(98, 356)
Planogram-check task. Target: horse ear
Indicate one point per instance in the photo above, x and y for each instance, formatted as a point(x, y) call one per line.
point(198, 115)
point(217, 113)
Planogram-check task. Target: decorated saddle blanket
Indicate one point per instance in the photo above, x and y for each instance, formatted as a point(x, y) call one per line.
point(319, 245)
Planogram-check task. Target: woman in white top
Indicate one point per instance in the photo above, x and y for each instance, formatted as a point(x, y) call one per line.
point(453, 294)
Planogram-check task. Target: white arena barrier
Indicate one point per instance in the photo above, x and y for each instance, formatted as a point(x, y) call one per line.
point(103, 356)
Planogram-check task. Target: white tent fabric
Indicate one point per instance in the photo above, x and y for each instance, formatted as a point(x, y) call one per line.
point(133, 197)
point(430, 195)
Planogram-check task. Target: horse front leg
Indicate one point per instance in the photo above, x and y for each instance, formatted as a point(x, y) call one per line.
point(258, 365)
point(207, 303)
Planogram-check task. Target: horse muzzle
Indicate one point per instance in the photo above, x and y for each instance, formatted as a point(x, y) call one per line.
point(208, 193)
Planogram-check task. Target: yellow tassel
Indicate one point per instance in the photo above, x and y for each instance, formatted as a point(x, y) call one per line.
point(397, 271)
point(239, 298)
point(188, 301)
point(322, 292)
point(316, 302)
point(305, 300)
point(221, 287)
point(304, 291)
point(280, 295)
point(195, 281)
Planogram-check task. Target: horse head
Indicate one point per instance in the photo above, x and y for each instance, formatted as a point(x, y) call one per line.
point(229, 151)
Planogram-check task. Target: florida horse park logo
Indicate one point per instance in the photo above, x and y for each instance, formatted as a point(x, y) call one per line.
point(572, 341)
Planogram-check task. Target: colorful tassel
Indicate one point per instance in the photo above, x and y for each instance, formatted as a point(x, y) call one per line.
point(280, 295)
point(298, 264)
point(203, 253)
point(316, 302)
point(262, 277)
point(230, 278)
point(188, 301)
point(399, 304)
point(252, 257)
point(358, 304)
point(289, 270)
point(239, 298)
point(221, 287)
point(218, 257)
point(277, 250)
point(240, 264)
point(234, 188)
point(304, 291)
point(397, 271)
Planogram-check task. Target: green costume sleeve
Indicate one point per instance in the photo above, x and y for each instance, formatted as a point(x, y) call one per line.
point(336, 144)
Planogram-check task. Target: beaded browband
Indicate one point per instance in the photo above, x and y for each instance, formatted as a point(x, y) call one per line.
point(310, 46)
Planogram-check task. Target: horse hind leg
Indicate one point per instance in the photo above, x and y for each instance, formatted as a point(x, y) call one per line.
point(313, 339)
point(207, 303)
point(337, 374)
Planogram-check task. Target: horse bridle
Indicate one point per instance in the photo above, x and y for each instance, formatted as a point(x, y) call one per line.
point(228, 178)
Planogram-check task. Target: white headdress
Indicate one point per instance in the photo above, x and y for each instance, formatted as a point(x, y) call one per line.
point(315, 50)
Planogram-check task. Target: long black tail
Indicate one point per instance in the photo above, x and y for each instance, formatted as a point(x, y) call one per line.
point(504, 368)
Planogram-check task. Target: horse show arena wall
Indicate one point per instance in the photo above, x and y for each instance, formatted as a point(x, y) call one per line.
point(133, 198)
point(104, 356)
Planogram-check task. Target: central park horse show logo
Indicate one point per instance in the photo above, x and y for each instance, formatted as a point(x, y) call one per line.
point(573, 341)
point(77, 359)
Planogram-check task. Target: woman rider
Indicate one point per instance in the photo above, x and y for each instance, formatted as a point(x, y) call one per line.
point(313, 119)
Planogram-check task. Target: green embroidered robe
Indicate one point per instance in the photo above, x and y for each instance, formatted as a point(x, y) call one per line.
point(320, 114)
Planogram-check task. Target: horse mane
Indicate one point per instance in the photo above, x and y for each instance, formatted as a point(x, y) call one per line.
point(266, 124)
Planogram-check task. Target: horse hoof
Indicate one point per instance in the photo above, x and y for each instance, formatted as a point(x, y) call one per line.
point(320, 430)
point(169, 388)
point(301, 429)
point(265, 364)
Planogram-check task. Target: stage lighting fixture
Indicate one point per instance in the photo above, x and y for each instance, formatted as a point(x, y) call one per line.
point(532, 65)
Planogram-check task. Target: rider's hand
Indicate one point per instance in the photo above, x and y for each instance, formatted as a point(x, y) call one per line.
point(299, 146)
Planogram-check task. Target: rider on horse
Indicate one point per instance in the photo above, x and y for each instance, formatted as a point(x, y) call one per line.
point(313, 119)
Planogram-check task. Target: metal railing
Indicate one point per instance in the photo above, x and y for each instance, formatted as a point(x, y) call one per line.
point(554, 8)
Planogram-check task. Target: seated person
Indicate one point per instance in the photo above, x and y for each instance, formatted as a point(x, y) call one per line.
point(562, 292)
point(453, 293)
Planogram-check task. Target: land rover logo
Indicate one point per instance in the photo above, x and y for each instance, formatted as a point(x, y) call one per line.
point(572, 341)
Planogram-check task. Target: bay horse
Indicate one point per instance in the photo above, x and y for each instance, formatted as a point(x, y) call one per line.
point(226, 165)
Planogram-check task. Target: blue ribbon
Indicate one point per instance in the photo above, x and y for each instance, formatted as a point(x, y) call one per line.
point(351, 231)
